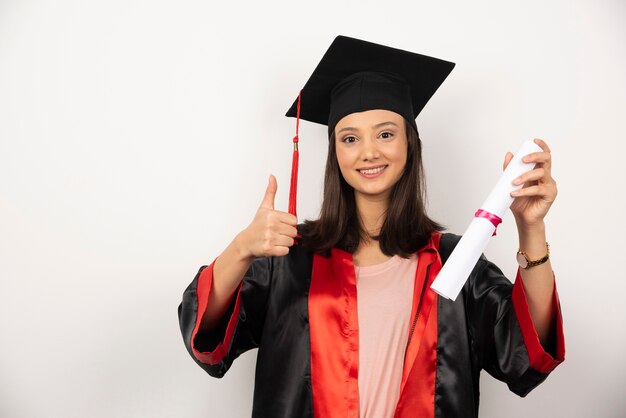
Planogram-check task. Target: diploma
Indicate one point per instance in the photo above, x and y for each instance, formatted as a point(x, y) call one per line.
point(473, 243)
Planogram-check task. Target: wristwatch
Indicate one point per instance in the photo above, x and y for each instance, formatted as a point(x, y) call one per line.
point(525, 263)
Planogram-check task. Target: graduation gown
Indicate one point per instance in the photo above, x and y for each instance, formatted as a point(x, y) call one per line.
point(300, 311)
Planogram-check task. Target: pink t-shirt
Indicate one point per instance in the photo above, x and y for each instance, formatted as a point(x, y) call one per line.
point(384, 300)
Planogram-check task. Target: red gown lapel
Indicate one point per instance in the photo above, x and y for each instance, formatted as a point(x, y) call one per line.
point(417, 390)
point(334, 336)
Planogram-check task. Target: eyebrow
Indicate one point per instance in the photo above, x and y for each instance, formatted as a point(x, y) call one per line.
point(349, 128)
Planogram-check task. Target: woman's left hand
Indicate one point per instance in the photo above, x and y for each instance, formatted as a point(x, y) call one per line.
point(533, 201)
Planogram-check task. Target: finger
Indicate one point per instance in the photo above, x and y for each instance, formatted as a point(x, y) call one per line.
point(282, 241)
point(280, 251)
point(532, 175)
point(287, 218)
point(507, 159)
point(536, 190)
point(538, 157)
point(270, 193)
point(542, 144)
point(287, 230)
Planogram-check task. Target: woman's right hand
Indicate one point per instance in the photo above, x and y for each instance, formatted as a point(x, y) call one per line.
point(271, 232)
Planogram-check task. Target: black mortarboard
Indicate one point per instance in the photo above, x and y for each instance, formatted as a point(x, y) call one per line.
point(355, 76)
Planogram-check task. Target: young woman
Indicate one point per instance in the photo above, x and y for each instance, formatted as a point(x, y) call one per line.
point(396, 350)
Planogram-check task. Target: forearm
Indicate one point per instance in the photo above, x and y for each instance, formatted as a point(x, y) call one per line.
point(228, 272)
point(538, 280)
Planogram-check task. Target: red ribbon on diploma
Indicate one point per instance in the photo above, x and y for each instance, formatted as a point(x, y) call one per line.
point(494, 219)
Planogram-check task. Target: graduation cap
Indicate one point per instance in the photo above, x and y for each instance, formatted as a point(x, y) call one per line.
point(355, 76)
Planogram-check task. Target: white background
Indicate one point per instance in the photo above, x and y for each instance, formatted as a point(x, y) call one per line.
point(136, 140)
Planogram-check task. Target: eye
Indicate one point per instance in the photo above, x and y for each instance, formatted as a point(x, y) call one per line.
point(347, 139)
point(386, 135)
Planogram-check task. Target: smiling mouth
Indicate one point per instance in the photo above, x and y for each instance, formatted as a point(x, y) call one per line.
point(371, 171)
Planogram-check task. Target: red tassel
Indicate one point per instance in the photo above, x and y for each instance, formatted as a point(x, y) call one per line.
point(293, 190)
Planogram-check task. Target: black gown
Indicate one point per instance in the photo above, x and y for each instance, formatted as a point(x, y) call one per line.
point(299, 310)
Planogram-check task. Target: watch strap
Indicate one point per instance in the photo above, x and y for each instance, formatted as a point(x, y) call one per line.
point(533, 263)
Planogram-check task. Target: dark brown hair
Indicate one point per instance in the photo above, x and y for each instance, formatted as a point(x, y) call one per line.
point(406, 227)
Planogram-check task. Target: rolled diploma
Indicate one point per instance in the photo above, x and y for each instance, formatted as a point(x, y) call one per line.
point(473, 243)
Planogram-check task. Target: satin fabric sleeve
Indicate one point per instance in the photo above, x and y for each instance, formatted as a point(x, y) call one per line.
point(241, 326)
point(503, 337)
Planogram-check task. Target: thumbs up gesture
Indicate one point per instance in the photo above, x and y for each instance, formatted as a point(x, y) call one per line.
point(271, 232)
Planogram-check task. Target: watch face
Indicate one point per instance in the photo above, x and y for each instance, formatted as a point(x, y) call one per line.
point(521, 260)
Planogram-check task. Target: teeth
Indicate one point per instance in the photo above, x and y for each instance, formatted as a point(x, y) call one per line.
point(372, 171)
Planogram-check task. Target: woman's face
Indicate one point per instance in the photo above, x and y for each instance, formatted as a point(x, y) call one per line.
point(371, 151)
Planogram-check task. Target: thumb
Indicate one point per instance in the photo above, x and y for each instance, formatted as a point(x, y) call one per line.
point(507, 159)
point(270, 193)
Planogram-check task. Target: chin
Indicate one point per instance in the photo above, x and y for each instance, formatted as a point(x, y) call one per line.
point(373, 191)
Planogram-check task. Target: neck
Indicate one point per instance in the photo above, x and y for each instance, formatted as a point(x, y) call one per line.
point(372, 211)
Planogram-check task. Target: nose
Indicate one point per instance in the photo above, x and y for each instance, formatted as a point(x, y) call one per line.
point(369, 150)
